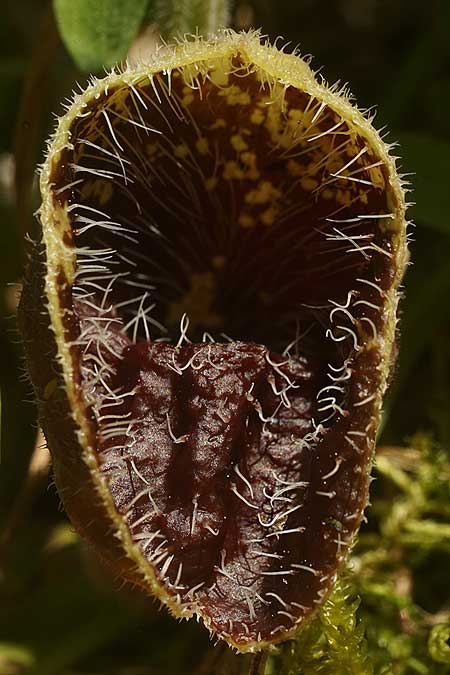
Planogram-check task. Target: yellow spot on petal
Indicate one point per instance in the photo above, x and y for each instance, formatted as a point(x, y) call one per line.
point(202, 145)
point(376, 176)
point(210, 183)
point(218, 124)
point(295, 168)
point(181, 150)
point(265, 192)
point(246, 221)
point(188, 95)
point(235, 95)
point(250, 159)
point(295, 115)
point(268, 216)
point(238, 143)
point(232, 171)
point(219, 76)
point(308, 184)
point(197, 303)
point(343, 197)
point(352, 149)
point(257, 116)
point(363, 197)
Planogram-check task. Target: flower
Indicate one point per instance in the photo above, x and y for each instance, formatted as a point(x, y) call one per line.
point(210, 322)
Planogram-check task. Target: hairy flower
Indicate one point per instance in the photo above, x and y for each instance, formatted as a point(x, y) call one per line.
point(210, 323)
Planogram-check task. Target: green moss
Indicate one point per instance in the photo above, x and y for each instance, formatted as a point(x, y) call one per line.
point(333, 644)
point(438, 643)
point(395, 578)
point(399, 564)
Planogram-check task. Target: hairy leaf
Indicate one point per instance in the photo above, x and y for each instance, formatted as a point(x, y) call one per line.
point(98, 33)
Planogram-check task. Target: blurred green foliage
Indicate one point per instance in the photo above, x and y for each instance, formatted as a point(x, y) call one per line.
point(61, 613)
point(99, 33)
point(333, 644)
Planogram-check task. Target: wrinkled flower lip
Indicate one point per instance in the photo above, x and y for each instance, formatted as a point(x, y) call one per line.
point(294, 250)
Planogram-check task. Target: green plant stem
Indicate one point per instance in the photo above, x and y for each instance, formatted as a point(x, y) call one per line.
point(175, 18)
point(28, 131)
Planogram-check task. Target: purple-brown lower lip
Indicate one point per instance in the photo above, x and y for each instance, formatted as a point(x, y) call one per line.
point(234, 264)
point(233, 492)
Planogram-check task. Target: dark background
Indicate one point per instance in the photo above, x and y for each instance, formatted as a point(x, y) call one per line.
point(59, 613)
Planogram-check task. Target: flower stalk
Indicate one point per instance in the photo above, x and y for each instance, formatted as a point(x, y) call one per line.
point(176, 18)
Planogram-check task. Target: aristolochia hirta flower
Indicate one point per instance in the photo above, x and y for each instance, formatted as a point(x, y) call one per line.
point(209, 323)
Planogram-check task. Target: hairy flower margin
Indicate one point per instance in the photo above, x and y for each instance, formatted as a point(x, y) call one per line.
point(223, 189)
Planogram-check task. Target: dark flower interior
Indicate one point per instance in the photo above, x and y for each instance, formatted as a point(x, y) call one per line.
point(233, 252)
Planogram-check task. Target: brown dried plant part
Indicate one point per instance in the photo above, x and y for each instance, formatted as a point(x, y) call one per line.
point(209, 323)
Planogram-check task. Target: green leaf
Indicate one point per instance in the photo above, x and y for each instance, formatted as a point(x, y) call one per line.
point(98, 33)
point(428, 159)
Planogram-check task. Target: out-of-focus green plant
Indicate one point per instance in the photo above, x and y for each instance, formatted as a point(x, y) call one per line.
point(396, 555)
point(439, 643)
point(98, 33)
point(333, 644)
